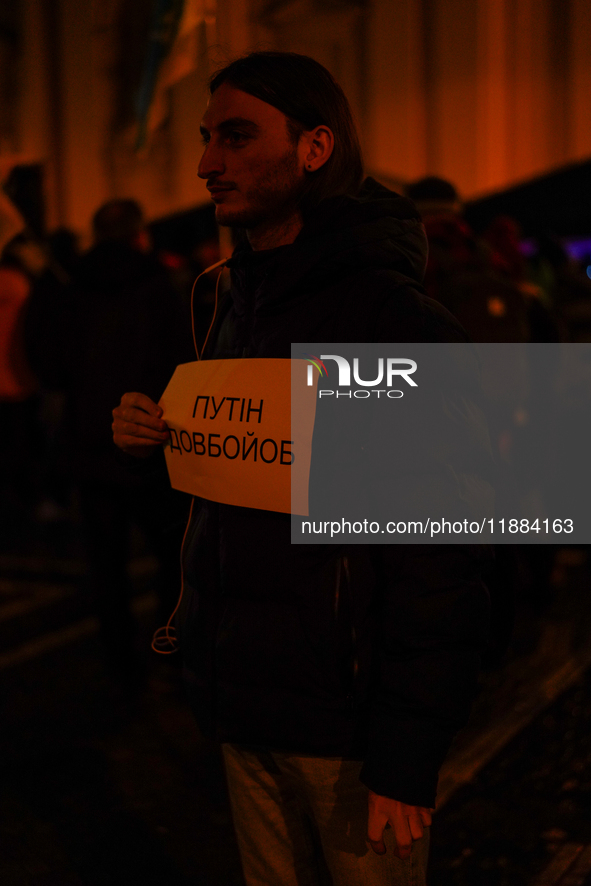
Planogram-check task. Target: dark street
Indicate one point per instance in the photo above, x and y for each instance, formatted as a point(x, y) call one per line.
point(106, 781)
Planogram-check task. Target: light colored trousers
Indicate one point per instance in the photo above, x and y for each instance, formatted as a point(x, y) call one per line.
point(302, 821)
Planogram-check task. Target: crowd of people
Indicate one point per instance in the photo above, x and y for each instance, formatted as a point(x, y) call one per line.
point(80, 330)
point(68, 336)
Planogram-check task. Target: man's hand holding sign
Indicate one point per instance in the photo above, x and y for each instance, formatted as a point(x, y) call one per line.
point(138, 428)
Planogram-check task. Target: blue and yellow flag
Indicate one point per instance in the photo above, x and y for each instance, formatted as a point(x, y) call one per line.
point(173, 52)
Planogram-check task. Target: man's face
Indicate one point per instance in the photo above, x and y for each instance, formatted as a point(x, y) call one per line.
point(253, 170)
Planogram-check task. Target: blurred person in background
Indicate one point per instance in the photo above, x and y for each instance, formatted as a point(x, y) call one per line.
point(531, 452)
point(22, 261)
point(566, 287)
point(461, 273)
point(503, 237)
point(54, 511)
point(119, 324)
point(484, 282)
point(64, 253)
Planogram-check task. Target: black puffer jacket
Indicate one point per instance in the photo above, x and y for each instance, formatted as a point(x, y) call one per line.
point(370, 652)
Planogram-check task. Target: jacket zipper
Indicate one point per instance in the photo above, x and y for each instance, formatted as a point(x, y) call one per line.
point(337, 592)
point(344, 561)
point(249, 315)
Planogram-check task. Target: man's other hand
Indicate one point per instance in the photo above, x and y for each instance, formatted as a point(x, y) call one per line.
point(138, 428)
point(407, 823)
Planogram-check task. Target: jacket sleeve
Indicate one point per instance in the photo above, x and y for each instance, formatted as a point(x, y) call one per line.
point(432, 624)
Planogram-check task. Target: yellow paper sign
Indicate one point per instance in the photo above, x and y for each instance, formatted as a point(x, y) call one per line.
point(233, 439)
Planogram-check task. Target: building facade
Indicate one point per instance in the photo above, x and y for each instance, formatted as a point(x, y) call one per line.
point(485, 93)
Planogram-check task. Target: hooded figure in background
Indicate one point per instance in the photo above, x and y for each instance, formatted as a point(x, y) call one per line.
point(335, 677)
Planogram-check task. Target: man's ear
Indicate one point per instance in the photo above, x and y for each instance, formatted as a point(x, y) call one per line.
point(317, 146)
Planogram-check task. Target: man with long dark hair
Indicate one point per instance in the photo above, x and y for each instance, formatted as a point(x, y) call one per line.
point(334, 677)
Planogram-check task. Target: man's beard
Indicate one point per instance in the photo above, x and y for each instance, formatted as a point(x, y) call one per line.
point(272, 199)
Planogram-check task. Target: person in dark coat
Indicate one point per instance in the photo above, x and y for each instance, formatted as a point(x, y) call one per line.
point(119, 324)
point(335, 678)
